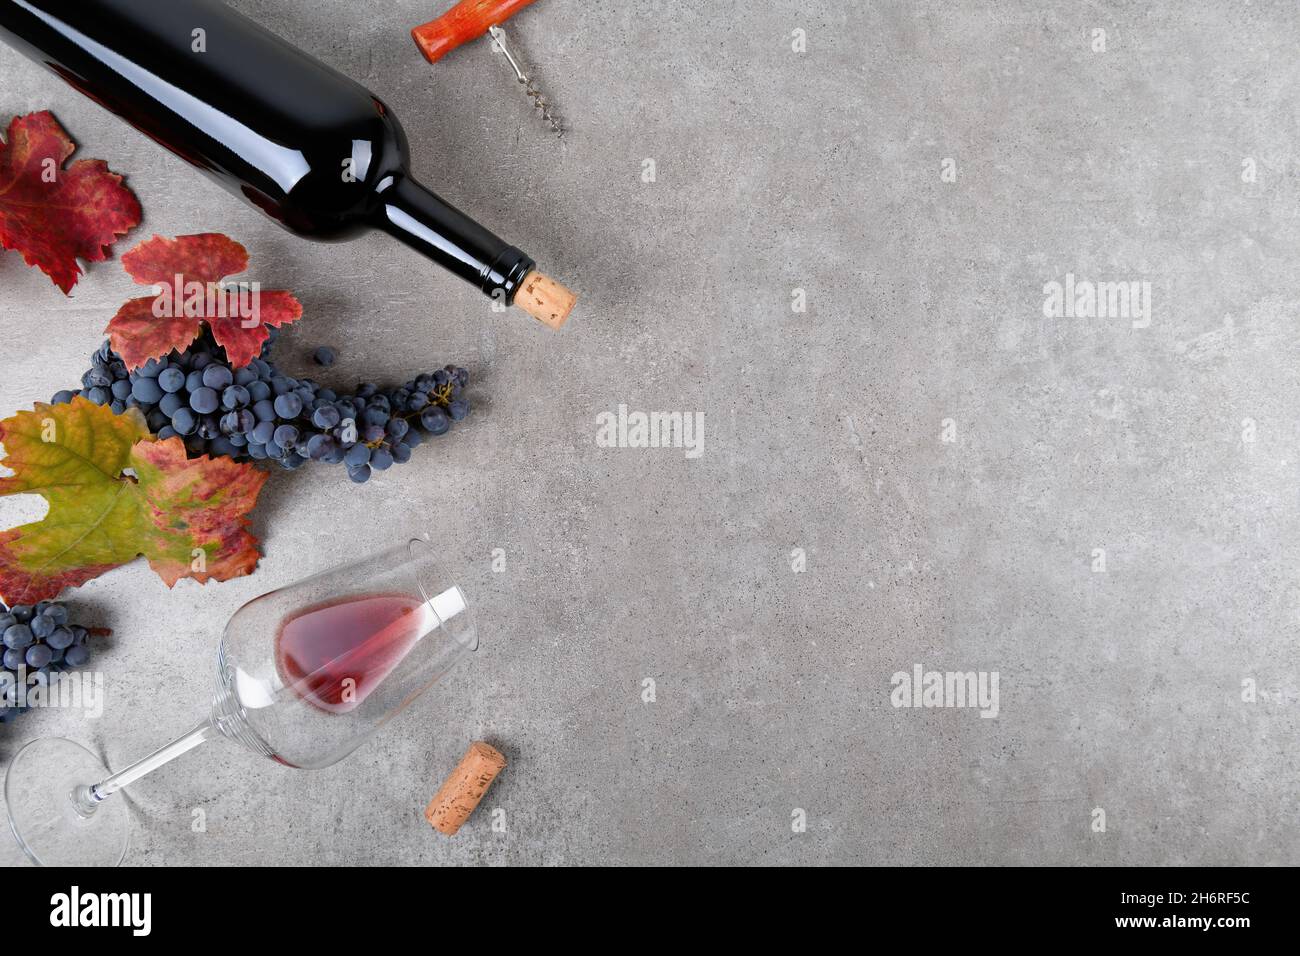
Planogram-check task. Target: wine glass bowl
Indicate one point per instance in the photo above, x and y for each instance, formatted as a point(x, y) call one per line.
point(353, 646)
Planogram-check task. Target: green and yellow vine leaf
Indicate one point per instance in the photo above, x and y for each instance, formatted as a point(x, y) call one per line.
point(116, 494)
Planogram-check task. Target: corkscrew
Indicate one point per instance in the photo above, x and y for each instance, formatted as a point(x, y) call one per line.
point(469, 20)
point(530, 88)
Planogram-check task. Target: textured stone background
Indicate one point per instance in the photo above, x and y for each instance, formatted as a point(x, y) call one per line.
point(776, 171)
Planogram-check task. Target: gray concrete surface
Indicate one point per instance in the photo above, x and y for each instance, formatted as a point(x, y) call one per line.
point(1173, 447)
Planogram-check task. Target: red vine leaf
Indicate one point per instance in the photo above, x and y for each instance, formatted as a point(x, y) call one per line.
point(187, 274)
point(52, 214)
point(116, 494)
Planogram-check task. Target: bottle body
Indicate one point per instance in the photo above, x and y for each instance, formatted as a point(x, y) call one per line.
point(313, 149)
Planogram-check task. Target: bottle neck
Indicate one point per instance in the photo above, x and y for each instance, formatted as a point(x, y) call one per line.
point(426, 223)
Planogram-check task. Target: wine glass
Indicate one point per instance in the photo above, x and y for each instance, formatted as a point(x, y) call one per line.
point(305, 675)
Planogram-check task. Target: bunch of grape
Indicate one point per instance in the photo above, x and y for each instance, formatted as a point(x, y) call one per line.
point(256, 412)
point(38, 640)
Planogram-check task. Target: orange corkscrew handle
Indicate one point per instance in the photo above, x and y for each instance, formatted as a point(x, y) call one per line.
point(467, 20)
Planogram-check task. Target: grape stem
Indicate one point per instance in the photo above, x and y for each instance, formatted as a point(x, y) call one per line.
point(440, 397)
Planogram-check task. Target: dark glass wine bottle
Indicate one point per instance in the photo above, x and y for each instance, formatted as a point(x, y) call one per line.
point(317, 152)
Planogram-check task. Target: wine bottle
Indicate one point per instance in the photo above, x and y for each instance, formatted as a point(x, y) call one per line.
point(316, 151)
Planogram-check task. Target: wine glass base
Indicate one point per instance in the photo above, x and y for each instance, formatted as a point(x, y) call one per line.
point(38, 797)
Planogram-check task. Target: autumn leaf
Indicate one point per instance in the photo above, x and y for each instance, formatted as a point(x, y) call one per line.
point(54, 215)
point(116, 494)
point(187, 274)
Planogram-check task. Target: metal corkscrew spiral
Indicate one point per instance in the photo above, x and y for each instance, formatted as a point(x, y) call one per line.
point(539, 100)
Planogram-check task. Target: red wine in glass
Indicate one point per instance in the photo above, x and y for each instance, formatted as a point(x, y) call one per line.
point(334, 654)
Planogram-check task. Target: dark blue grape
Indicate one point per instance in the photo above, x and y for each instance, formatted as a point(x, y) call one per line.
point(327, 416)
point(357, 456)
point(359, 474)
point(184, 422)
point(324, 356)
point(77, 655)
point(318, 446)
point(221, 445)
point(286, 436)
point(236, 396)
point(435, 421)
point(263, 432)
point(146, 390)
point(38, 655)
point(18, 636)
point(171, 380)
point(204, 401)
point(217, 376)
point(288, 405)
point(265, 411)
point(381, 459)
point(61, 397)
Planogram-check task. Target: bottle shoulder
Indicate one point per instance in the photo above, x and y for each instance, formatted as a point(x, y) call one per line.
point(321, 180)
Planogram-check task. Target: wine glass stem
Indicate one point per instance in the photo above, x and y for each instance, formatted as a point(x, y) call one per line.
point(88, 797)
